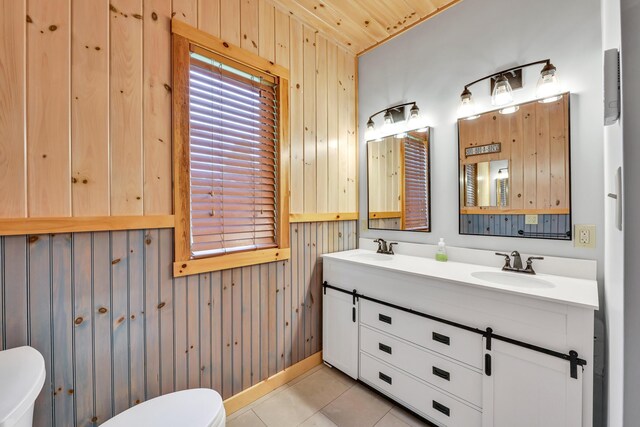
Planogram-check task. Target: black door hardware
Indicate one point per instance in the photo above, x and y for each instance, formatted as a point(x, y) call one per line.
point(385, 378)
point(441, 408)
point(441, 373)
point(384, 318)
point(384, 347)
point(442, 339)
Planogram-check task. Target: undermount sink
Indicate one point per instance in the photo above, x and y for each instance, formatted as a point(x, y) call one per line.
point(372, 257)
point(512, 279)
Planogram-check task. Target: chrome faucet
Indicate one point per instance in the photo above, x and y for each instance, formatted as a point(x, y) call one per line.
point(383, 248)
point(517, 263)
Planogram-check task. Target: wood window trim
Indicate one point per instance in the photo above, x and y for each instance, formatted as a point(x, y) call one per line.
point(183, 37)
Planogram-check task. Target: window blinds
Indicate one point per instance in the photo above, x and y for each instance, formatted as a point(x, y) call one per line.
point(416, 212)
point(233, 128)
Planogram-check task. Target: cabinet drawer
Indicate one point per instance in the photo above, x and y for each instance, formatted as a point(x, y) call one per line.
point(428, 366)
point(454, 342)
point(428, 401)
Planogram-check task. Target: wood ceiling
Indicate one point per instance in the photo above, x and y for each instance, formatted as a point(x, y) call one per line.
point(360, 25)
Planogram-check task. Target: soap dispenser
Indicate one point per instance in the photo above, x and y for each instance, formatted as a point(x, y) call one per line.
point(441, 254)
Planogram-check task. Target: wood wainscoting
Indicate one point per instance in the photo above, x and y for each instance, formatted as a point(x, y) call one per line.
point(115, 328)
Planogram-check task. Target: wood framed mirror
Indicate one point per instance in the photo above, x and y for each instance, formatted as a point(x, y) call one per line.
point(514, 171)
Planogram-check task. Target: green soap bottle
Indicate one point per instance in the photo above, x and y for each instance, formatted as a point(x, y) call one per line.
point(441, 254)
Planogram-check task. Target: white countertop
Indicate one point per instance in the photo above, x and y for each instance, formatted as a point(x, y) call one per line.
point(568, 290)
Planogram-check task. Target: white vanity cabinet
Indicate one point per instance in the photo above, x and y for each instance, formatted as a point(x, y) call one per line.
point(340, 331)
point(423, 341)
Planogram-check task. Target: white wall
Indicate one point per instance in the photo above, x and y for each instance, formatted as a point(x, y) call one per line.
point(432, 62)
point(614, 240)
point(630, 13)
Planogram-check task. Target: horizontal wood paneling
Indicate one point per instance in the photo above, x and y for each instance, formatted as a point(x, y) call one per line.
point(95, 101)
point(124, 331)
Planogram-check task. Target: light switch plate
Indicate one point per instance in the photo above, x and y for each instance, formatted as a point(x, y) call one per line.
point(584, 236)
point(531, 219)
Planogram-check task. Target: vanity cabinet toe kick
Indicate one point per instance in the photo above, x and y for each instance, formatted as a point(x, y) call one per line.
point(450, 373)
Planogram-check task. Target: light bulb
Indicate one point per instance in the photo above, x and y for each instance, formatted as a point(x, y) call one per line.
point(548, 87)
point(371, 130)
point(467, 109)
point(414, 113)
point(502, 92)
point(388, 118)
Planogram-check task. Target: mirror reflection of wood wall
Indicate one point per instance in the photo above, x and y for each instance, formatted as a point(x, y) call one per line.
point(398, 180)
point(530, 173)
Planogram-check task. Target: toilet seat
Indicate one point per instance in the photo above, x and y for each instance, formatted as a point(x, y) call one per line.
point(201, 407)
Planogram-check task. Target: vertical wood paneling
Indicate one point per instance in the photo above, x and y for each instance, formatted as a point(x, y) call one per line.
point(230, 21)
point(103, 317)
point(15, 273)
point(227, 335)
point(83, 329)
point(209, 16)
point(217, 345)
point(48, 144)
point(321, 124)
point(62, 303)
point(309, 119)
point(204, 345)
point(90, 108)
point(12, 109)
point(39, 309)
point(193, 331)
point(166, 312)
point(119, 321)
point(266, 28)
point(98, 113)
point(151, 314)
point(296, 115)
point(136, 315)
point(125, 117)
point(246, 327)
point(249, 28)
point(157, 197)
point(180, 351)
point(186, 11)
point(236, 334)
point(255, 307)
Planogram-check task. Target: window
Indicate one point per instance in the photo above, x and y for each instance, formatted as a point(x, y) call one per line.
point(230, 155)
point(416, 183)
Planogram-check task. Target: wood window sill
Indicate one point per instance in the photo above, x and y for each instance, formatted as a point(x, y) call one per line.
point(225, 262)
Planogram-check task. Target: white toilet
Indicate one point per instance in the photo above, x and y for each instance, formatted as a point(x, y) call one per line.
point(22, 375)
point(200, 407)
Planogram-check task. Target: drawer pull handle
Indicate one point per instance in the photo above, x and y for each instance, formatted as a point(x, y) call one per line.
point(443, 339)
point(441, 408)
point(386, 378)
point(384, 318)
point(384, 347)
point(441, 373)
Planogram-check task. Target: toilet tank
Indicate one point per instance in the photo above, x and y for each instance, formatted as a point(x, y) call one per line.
point(22, 375)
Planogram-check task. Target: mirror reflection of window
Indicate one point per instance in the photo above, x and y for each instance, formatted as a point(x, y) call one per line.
point(398, 182)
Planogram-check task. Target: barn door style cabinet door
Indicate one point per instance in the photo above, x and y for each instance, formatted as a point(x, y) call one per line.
point(459, 356)
point(340, 336)
point(526, 388)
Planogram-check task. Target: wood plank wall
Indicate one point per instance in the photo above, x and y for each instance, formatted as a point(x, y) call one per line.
point(115, 328)
point(85, 103)
point(535, 140)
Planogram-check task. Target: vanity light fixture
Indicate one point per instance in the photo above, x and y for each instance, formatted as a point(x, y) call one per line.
point(395, 122)
point(547, 90)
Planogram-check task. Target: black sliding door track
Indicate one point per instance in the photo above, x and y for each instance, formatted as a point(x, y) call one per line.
point(488, 333)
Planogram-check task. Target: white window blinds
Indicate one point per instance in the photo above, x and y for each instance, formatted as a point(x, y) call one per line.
point(233, 129)
point(416, 175)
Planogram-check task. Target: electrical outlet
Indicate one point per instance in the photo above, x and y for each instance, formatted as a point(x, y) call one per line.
point(531, 219)
point(584, 236)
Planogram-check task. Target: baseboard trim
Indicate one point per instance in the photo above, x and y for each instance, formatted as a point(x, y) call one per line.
point(250, 395)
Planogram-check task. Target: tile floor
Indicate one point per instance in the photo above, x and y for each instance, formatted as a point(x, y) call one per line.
point(323, 397)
